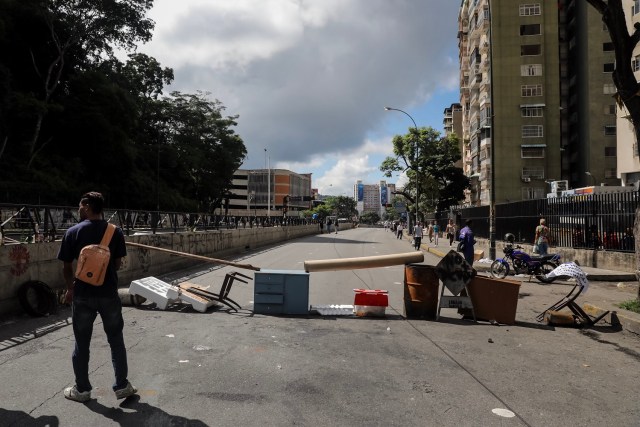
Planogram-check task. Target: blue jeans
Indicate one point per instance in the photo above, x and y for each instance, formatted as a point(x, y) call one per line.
point(84, 312)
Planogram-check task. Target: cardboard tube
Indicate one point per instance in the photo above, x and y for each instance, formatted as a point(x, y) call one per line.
point(363, 262)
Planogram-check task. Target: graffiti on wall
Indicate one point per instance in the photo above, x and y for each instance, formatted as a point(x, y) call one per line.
point(19, 257)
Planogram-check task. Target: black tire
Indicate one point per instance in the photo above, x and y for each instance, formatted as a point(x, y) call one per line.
point(37, 298)
point(546, 268)
point(499, 269)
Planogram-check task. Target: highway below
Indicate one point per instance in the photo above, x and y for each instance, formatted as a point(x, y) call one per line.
point(223, 368)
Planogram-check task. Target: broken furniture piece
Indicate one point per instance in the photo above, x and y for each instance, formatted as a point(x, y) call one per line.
point(223, 295)
point(163, 294)
point(455, 274)
point(582, 284)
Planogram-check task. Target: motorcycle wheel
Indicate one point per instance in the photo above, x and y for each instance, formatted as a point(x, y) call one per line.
point(544, 269)
point(499, 269)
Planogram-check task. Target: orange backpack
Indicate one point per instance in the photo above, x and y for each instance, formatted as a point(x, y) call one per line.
point(94, 260)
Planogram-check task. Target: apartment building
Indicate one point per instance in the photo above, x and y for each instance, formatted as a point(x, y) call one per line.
point(591, 109)
point(452, 123)
point(373, 197)
point(628, 162)
point(253, 191)
point(510, 97)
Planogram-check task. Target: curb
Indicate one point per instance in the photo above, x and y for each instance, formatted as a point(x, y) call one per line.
point(628, 322)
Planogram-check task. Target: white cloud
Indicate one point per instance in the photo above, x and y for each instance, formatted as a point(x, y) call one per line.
point(309, 78)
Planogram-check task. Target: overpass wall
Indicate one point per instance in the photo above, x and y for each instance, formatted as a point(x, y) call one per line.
point(38, 261)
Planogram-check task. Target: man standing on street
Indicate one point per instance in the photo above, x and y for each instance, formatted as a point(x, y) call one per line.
point(468, 241)
point(89, 300)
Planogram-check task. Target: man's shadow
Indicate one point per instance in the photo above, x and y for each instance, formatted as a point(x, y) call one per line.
point(22, 419)
point(145, 414)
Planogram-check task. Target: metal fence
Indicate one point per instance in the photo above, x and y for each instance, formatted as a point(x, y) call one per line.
point(600, 221)
point(37, 223)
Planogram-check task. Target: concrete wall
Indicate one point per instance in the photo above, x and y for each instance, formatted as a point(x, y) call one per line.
point(25, 262)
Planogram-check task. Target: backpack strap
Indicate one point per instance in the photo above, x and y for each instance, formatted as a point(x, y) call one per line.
point(108, 234)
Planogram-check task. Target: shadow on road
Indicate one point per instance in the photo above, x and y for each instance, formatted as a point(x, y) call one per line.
point(22, 419)
point(144, 414)
point(21, 329)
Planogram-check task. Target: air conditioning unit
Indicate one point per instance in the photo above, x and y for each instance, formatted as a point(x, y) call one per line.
point(526, 179)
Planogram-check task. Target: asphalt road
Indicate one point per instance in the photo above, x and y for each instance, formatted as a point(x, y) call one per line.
point(225, 369)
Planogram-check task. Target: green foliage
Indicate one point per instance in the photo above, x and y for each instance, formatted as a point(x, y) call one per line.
point(631, 305)
point(369, 218)
point(74, 118)
point(322, 210)
point(424, 154)
point(341, 206)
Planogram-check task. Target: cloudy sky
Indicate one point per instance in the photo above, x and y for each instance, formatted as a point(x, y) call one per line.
point(310, 78)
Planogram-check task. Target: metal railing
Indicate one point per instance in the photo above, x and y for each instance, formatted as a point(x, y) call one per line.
point(37, 223)
point(594, 221)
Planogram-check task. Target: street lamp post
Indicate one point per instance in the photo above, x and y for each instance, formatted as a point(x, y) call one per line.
point(592, 177)
point(492, 153)
point(415, 155)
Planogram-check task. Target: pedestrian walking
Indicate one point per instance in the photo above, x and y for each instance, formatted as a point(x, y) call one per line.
point(436, 233)
point(451, 232)
point(399, 231)
point(468, 242)
point(417, 236)
point(89, 300)
point(430, 231)
point(336, 226)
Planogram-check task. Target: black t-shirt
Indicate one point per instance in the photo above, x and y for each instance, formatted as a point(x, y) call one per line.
point(89, 233)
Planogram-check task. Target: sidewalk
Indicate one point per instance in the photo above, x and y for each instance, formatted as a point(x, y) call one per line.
point(607, 289)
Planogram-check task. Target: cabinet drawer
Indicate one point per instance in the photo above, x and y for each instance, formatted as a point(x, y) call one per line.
point(268, 308)
point(269, 278)
point(269, 288)
point(268, 299)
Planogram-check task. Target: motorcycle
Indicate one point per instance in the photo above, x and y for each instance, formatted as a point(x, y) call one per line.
point(523, 263)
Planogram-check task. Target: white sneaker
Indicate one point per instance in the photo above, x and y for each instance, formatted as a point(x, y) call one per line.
point(72, 393)
point(126, 391)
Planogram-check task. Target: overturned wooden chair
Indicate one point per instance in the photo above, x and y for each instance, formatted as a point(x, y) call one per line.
point(222, 296)
point(582, 284)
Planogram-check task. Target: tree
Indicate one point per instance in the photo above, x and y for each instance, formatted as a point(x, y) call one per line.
point(58, 37)
point(342, 206)
point(369, 218)
point(441, 183)
point(206, 149)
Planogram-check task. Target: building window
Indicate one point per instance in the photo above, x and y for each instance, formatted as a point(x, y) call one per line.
point(610, 173)
point(532, 193)
point(530, 9)
point(530, 29)
point(610, 109)
point(532, 173)
point(530, 49)
point(635, 7)
point(532, 152)
point(610, 130)
point(607, 47)
point(610, 151)
point(609, 89)
point(635, 63)
point(532, 111)
point(532, 131)
point(530, 70)
point(531, 90)
point(609, 67)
